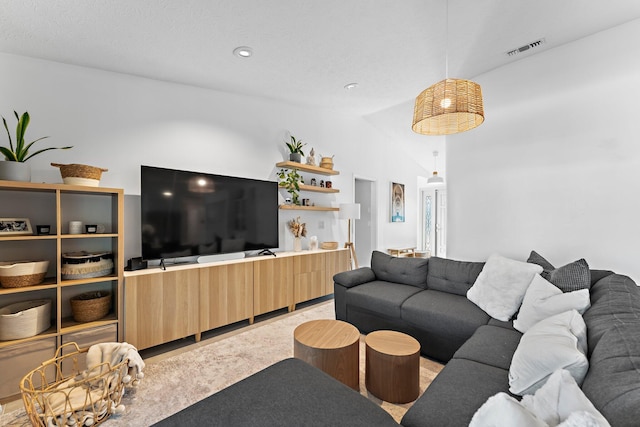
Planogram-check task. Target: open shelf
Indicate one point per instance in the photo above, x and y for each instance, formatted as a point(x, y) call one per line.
point(308, 208)
point(318, 189)
point(307, 168)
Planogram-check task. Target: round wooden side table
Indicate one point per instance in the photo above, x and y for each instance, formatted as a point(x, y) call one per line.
point(392, 371)
point(332, 346)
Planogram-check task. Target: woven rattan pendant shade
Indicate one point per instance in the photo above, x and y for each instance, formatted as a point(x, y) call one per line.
point(449, 106)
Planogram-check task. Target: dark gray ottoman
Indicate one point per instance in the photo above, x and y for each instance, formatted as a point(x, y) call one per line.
point(288, 393)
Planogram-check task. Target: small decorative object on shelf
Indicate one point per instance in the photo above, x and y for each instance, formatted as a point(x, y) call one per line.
point(311, 158)
point(14, 167)
point(75, 174)
point(314, 182)
point(313, 243)
point(295, 148)
point(91, 228)
point(15, 227)
point(75, 227)
point(328, 184)
point(43, 230)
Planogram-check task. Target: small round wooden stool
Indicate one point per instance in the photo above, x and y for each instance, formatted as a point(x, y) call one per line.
point(392, 369)
point(332, 346)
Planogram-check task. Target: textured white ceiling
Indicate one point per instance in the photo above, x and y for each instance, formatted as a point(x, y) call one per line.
point(305, 51)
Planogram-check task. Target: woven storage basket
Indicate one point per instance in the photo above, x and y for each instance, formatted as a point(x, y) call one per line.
point(17, 274)
point(81, 398)
point(329, 245)
point(76, 174)
point(85, 265)
point(90, 306)
point(24, 319)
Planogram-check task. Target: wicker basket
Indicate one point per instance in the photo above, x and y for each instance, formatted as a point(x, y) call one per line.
point(77, 399)
point(17, 274)
point(86, 265)
point(75, 174)
point(24, 319)
point(329, 245)
point(90, 306)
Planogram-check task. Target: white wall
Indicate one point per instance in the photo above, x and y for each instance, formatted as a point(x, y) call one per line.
point(120, 121)
point(556, 165)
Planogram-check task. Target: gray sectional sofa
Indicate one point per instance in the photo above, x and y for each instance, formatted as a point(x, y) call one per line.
point(427, 299)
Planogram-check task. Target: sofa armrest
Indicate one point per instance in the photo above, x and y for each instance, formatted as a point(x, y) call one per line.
point(356, 277)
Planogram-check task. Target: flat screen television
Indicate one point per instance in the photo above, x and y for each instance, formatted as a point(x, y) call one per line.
point(186, 214)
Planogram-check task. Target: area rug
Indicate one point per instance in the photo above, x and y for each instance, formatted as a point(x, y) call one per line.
point(180, 377)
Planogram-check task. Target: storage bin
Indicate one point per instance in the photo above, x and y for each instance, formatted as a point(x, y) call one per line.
point(90, 306)
point(86, 265)
point(16, 274)
point(24, 319)
point(18, 359)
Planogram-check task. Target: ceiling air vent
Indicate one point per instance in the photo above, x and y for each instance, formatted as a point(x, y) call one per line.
point(526, 47)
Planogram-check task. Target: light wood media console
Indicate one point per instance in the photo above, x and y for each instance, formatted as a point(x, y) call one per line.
point(184, 300)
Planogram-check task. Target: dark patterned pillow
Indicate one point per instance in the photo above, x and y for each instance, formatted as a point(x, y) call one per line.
point(568, 278)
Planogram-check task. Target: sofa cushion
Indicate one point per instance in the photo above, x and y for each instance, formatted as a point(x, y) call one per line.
point(543, 300)
point(613, 381)
point(381, 297)
point(451, 315)
point(571, 277)
point(351, 278)
point(615, 300)
point(407, 271)
point(490, 345)
point(451, 276)
point(455, 394)
point(559, 342)
point(501, 285)
point(288, 393)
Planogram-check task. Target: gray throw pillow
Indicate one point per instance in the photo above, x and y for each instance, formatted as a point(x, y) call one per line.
point(571, 277)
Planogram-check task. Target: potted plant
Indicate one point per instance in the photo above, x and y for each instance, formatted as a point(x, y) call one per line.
point(295, 148)
point(13, 167)
point(290, 181)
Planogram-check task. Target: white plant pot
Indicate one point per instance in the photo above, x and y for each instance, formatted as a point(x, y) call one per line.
point(15, 171)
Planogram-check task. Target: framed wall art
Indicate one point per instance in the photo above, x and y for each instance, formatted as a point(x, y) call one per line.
point(15, 226)
point(397, 202)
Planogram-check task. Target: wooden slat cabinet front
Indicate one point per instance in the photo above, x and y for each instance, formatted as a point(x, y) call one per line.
point(161, 307)
point(272, 284)
point(226, 295)
point(309, 276)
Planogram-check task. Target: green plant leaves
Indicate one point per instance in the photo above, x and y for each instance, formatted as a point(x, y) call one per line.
point(21, 151)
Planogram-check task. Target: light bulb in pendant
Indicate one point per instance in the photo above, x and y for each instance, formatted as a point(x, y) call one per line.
point(445, 103)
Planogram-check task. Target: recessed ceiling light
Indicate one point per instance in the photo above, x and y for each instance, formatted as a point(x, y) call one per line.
point(243, 51)
point(350, 86)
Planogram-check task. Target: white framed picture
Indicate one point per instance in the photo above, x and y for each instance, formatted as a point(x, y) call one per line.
point(15, 226)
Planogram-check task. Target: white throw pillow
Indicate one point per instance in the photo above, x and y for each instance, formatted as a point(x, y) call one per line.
point(559, 402)
point(543, 299)
point(501, 285)
point(558, 342)
point(502, 410)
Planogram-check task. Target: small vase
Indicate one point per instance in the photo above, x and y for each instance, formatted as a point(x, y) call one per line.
point(15, 171)
point(297, 244)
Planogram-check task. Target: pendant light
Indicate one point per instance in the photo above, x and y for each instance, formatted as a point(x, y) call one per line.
point(449, 106)
point(435, 179)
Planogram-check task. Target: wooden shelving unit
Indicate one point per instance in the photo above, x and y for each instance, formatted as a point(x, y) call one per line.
point(56, 205)
point(311, 188)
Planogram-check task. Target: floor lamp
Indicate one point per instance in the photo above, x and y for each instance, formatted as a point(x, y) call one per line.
point(350, 211)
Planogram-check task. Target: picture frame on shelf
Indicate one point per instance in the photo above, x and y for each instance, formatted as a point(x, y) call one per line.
point(397, 202)
point(15, 227)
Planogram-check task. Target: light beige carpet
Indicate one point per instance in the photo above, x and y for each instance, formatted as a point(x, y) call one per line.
point(178, 378)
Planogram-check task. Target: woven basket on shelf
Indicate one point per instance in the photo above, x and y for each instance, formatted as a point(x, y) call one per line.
point(77, 174)
point(24, 319)
point(87, 398)
point(17, 274)
point(329, 245)
point(90, 306)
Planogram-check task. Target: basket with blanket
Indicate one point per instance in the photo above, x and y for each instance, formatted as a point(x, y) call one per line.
point(55, 395)
point(86, 265)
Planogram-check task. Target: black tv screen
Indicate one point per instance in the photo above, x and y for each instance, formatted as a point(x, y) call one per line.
point(192, 214)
